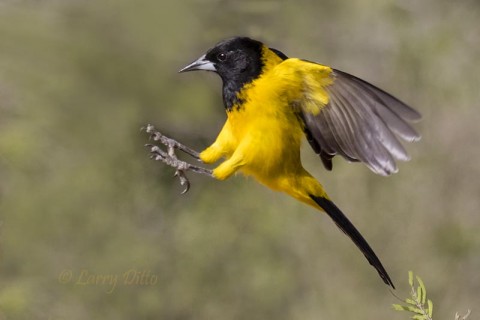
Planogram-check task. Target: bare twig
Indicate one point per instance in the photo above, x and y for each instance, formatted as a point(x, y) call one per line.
point(464, 317)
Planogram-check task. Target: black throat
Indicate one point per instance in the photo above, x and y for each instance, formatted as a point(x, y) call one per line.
point(233, 85)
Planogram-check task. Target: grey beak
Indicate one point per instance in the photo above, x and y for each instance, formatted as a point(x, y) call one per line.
point(200, 64)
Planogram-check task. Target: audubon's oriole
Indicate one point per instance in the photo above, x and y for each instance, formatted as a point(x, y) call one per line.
point(272, 102)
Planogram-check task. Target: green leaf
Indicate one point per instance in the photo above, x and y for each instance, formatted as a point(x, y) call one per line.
point(410, 278)
point(410, 301)
point(423, 289)
point(430, 308)
point(414, 309)
point(419, 317)
point(399, 307)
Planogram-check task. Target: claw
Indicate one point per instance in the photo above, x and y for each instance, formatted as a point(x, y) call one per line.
point(187, 187)
point(183, 180)
point(169, 157)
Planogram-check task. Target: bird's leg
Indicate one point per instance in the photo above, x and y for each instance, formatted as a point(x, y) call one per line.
point(170, 158)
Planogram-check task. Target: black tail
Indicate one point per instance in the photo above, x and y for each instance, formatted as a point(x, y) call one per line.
point(349, 229)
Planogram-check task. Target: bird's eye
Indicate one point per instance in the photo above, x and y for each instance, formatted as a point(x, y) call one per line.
point(222, 57)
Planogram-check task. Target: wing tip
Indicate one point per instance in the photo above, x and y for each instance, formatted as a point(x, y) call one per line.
point(413, 115)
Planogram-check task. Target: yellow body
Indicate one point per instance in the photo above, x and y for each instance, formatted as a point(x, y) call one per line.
point(263, 135)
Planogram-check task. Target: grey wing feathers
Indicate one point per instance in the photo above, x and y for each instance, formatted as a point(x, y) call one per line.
point(361, 123)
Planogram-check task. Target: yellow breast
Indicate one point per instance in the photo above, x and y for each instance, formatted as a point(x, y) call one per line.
point(267, 125)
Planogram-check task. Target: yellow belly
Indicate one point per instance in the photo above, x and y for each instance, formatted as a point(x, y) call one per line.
point(272, 141)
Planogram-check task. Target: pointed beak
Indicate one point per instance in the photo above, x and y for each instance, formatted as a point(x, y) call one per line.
point(200, 64)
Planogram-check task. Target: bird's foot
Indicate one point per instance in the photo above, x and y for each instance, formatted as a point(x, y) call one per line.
point(170, 158)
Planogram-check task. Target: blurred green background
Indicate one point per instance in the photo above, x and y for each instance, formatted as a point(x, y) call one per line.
point(81, 203)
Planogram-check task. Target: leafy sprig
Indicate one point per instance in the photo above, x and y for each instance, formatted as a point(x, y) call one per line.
point(418, 304)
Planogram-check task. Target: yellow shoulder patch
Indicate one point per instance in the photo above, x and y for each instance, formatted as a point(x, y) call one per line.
point(307, 81)
point(294, 81)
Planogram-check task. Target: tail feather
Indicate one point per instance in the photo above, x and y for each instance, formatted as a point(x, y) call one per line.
point(349, 229)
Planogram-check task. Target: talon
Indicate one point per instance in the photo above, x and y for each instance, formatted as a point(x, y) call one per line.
point(187, 187)
point(183, 180)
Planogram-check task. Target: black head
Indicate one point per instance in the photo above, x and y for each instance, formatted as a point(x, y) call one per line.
point(236, 58)
point(237, 61)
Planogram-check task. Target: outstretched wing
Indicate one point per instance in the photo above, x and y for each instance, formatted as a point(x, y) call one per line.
point(345, 115)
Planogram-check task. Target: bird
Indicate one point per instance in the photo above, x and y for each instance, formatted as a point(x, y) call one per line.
point(273, 103)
